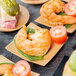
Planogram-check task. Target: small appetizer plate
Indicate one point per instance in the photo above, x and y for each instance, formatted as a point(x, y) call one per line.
point(47, 58)
point(70, 30)
point(34, 1)
point(5, 60)
point(23, 19)
point(60, 68)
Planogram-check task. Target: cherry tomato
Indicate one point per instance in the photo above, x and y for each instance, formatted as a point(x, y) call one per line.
point(58, 34)
point(70, 8)
point(22, 68)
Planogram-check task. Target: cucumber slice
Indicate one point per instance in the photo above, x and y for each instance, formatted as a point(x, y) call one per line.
point(27, 56)
point(72, 61)
point(66, 25)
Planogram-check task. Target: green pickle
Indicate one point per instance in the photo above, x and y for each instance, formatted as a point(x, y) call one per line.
point(72, 61)
point(11, 7)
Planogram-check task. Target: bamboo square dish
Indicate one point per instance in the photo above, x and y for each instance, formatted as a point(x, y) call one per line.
point(70, 30)
point(47, 58)
point(5, 60)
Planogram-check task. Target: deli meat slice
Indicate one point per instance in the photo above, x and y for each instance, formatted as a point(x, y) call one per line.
point(8, 24)
point(7, 21)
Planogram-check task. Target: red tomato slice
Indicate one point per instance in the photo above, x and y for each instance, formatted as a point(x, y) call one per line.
point(70, 8)
point(22, 68)
point(58, 34)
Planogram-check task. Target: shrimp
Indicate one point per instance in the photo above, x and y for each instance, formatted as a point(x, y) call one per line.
point(33, 44)
point(6, 69)
point(8, 73)
point(50, 10)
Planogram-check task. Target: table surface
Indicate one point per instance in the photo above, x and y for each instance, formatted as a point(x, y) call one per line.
point(49, 69)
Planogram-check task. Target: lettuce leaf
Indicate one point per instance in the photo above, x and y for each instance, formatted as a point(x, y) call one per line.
point(67, 25)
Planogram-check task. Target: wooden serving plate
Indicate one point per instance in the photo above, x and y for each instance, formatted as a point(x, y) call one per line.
point(34, 1)
point(41, 21)
point(48, 57)
point(23, 19)
point(5, 60)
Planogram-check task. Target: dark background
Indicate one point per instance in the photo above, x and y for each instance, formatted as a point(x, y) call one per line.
point(49, 69)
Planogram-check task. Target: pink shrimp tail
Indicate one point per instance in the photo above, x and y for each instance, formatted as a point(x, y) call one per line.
point(69, 20)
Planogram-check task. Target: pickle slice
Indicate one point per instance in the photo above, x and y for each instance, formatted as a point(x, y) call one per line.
point(72, 61)
point(11, 7)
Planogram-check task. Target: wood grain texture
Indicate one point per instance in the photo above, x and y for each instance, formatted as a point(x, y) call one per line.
point(34, 1)
point(23, 19)
point(41, 21)
point(5, 60)
point(48, 57)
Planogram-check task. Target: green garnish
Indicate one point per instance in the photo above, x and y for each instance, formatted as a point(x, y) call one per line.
point(72, 61)
point(64, 14)
point(11, 7)
point(66, 25)
point(30, 30)
point(28, 56)
point(6, 63)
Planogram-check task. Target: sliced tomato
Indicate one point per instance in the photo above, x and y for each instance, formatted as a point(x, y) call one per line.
point(22, 68)
point(58, 34)
point(70, 8)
